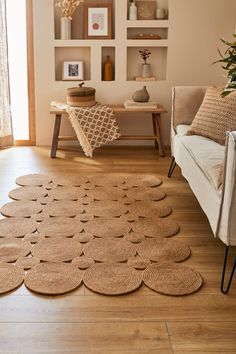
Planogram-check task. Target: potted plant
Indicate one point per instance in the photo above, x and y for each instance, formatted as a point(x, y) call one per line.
point(67, 8)
point(146, 67)
point(229, 64)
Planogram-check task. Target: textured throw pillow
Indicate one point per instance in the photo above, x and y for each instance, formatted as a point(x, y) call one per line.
point(216, 116)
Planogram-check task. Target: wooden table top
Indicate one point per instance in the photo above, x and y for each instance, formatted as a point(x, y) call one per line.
point(118, 108)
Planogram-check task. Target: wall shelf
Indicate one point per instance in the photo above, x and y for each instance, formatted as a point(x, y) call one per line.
point(151, 23)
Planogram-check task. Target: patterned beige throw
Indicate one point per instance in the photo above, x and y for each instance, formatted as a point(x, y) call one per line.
point(94, 126)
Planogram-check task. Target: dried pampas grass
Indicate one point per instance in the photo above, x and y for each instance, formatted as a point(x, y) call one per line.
point(68, 7)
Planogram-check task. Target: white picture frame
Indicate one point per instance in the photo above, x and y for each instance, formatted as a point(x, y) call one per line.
point(73, 71)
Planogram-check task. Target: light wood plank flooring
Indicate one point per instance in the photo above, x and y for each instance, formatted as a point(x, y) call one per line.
point(143, 322)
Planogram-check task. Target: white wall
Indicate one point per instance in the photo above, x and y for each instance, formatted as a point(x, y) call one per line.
point(194, 32)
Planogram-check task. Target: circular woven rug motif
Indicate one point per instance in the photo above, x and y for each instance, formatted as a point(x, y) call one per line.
point(10, 277)
point(108, 193)
point(21, 209)
point(134, 237)
point(57, 250)
point(172, 279)
point(149, 209)
point(60, 227)
point(83, 262)
point(139, 263)
point(109, 250)
point(34, 238)
point(53, 278)
point(16, 227)
point(142, 181)
point(70, 181)
point(64, 209)
point(67, 193)
point(112, 279)
point(107, 227)
point(83, 237)
point(13, 248)
point(108, 180)
point(27, 262)
point(162, 249)
point(33, 180)
point(153, 194)
point(156, 227)
point(27, 193)
point(106, 208)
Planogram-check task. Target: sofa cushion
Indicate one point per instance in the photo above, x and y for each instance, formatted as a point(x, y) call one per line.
point(216, 116)
point(208, 155)
point(182, 129)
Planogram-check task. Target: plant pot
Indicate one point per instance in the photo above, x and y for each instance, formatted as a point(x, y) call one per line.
point(146, 70)
point(65, 28)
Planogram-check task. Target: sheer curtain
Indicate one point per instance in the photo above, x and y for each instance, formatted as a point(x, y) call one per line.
point(6, 137)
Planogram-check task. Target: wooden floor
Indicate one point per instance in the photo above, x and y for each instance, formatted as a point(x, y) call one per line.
point(143, 322)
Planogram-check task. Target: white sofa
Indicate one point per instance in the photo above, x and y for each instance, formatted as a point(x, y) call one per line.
point(200, 160)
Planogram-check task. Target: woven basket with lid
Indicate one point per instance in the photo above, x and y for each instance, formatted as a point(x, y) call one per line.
point(81, 96)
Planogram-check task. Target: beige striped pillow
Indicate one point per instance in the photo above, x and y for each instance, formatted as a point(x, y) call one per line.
point(216, 116)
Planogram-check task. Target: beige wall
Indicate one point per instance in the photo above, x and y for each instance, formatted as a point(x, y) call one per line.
point(194, 32)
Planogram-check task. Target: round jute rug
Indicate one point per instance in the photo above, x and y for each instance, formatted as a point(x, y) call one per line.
point(109, 250)
point(107, 227)
point(57, 250)
point(33, 180)
point(154, 194)
point(27, 262)
point(162, 249)
point(10, 277)
point(112, 279)
point(172, 279)
point(16, 227)
point(83, 262)
point(149, 209)
point(60, 208)
point(13, 248)
point(53, 278)
point(27, 193)
point(60, 227)
point(156, 227)
point(67, 193)
point(21, 209)
point(106, 208)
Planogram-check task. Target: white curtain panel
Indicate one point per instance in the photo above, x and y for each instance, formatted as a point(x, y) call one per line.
point(6, 137)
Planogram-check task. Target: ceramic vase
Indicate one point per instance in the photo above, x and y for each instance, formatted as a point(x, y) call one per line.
point(141, 95)
point(146, 70)
point(108, 70)
point(65, 28)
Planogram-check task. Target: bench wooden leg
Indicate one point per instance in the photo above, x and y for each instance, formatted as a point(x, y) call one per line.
point(159, 140)
point(56, 132)
point(155, 131)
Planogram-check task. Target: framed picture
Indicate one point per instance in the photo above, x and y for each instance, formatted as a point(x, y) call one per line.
point(73, 70)
point(146, 10)
point(97, 21)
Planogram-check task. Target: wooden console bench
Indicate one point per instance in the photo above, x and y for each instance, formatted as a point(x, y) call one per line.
point(156, 119)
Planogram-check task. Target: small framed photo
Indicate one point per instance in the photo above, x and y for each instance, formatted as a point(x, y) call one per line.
point(97, 21)
point(73, 70)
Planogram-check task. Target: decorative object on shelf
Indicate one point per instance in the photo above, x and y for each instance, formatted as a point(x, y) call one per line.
point(97, 21)
point(81, 96)
point(133, 11)
point(146, 68)
point(140, 105)
point(141, 95)
point(142, 79)
point(108, 70)
point(161, 13)
point(145, 36)
point(73, 70)
point(146, 10)
point(67, 8)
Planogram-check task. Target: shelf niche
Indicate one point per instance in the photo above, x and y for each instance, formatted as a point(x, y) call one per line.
point(77, 23)
point(108, 51)
point(158, 61)
point(72, 54)
point(134, 33)
point(162, 4)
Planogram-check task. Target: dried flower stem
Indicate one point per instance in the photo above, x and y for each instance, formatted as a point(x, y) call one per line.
point(68, 7)
point(145, 54)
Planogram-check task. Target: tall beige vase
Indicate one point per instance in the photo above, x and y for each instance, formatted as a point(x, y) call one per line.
point(65, 28)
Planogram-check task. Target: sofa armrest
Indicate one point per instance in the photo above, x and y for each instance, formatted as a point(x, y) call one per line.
point(227, 218)
point(186, 101)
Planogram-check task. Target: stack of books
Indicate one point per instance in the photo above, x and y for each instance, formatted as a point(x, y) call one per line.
point(140, 105)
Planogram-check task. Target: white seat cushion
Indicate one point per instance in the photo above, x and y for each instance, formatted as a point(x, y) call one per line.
point(208, 154)
point(182, 129)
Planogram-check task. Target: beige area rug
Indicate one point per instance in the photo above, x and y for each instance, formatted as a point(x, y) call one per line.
point(112, 232)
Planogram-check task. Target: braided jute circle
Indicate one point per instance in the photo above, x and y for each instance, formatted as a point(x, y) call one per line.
point(139, 262)
point(83, 237)
point(13, 248)
point(21, 209)
point(27, 193)
point(172, 279)
point(108, 193)
point(62, 208)
point(34, 238)
point(83, 262)
point(142, 180)
point(162, 249)
point(134, 237)
point(149, 209)
point(106, 208)
point(57, 250)
point(108, 180)
point(33, 180)
point(10, 277)
point(154, 194)
point(156, 227)
point(17, 227)
point(60, 227)
point(67, 193)
point(53, 278)
point(112, 279)
point(69, 180)
point(109, 250)
point(27, 262)
point(107, 227)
